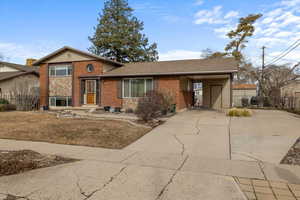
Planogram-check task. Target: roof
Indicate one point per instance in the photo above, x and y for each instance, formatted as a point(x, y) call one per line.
point(9, 75)
point(65, 48)
point(244, 86)
point(176, 67)
point(23, 68)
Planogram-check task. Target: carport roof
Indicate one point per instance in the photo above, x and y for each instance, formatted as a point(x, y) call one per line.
point(177, 67)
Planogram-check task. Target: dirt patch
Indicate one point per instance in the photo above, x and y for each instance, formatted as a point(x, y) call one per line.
point(14, 162)
point(293, 155)
point(39, 126)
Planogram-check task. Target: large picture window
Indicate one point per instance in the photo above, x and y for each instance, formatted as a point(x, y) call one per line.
point(60, 101)
point(60, 70)
point(137, 87)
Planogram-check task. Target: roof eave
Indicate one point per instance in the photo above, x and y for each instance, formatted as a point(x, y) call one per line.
point(171, 73)
point(41, 60)
point(20, 74)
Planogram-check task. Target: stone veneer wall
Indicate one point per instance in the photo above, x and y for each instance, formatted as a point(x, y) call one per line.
point(60, 86)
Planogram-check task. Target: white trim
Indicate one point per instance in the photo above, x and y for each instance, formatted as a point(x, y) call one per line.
point(95, 92)
point(67, 102)
point(130, 79)
point(66, 66)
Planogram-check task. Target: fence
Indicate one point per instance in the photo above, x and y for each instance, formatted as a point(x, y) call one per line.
point(289, 103)
point(23, 102)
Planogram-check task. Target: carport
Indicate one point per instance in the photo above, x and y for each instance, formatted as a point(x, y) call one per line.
point(215, 91)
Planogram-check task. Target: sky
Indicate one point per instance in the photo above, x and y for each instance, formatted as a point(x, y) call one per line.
point(181, 28)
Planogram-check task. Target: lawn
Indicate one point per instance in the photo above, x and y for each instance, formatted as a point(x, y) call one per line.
point(38, 126)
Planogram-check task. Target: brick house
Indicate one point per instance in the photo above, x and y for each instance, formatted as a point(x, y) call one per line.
point(70, 77)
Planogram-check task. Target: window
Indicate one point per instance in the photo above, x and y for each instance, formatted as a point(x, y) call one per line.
point(136, 87)
point(90, 68)
point(60, 70)
point(60, 101)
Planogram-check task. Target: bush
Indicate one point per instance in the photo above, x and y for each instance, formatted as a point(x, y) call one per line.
point(153, 105)
point(4, 101)
point(236, 112)
point(7, 107)
point(129, 110)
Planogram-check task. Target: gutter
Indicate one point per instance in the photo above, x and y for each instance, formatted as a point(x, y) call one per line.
point(171, 73)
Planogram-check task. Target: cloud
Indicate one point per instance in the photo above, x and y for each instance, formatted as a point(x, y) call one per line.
point(231, 14)
point(179, 55)
point(209, 16)
point(290, 3)
point(283, 34)
point(18, 53)
point(214, 16)
point(222, 31)
point(199, 2)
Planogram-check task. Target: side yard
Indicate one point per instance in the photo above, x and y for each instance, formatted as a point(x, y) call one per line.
point(37, 126)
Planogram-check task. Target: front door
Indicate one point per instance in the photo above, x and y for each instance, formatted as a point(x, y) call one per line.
point(91, 91)
point(216, 97)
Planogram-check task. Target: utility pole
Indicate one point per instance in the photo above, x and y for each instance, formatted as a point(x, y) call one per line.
point(262, 70)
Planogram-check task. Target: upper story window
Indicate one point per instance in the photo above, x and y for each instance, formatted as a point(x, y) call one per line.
point(60, 70)
point(90, 68)
point(137, 87)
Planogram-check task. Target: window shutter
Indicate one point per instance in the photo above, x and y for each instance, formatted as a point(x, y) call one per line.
point(119, 89)
point(82, 91)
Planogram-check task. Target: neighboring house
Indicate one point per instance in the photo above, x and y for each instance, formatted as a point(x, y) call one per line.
point(69, 77)
point(14, 77)
point(291, 89)
point(241, 91)
point(291, 92)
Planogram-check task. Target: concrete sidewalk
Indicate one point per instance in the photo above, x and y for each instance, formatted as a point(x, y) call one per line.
point(123, 174)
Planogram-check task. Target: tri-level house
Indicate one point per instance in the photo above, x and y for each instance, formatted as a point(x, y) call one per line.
point(70, 77)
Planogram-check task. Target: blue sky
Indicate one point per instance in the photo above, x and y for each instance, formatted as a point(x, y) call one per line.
point(34, 28)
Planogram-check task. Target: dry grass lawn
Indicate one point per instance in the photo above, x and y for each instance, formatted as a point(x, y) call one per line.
point(35, 126)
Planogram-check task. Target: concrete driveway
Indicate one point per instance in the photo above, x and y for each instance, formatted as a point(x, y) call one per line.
point(199, 133)
point(267, 136)
point(189, 157)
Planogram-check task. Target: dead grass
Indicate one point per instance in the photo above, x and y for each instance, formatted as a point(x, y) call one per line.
point(14, 162)
point(36, 126)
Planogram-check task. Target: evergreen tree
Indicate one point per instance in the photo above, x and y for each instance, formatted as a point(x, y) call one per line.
point(118, 35)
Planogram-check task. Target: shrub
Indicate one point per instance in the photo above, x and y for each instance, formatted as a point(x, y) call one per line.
point(236, 112)
point(4, 101)
point(7, 107)
point(129, 110)
point(153, 105)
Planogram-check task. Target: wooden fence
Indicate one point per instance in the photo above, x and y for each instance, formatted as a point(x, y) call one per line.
point(23, 102)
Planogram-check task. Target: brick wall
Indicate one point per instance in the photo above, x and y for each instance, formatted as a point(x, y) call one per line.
point(166, 84)
point(79, 69)
point(43, 84)
point(109, 93)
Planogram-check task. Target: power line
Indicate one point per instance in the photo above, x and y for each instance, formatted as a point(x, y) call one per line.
point(285, 52)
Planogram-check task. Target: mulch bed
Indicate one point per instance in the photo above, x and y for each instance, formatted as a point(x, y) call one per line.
point(293, 155)
point(14, 162)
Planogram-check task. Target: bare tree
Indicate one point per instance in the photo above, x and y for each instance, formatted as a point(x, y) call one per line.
point(274, 77)
point(25, 94)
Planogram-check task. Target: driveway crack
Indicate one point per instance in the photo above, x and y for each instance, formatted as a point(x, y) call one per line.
point(171, 179)
point(89, 195)
point(181, 143)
